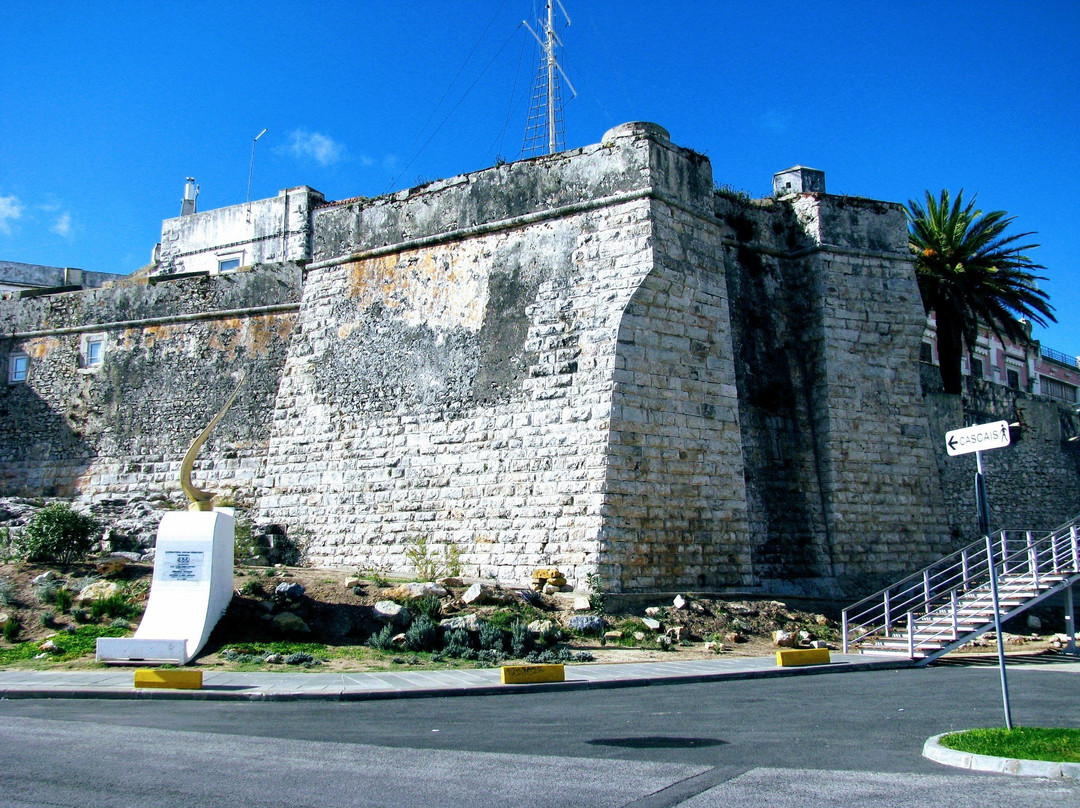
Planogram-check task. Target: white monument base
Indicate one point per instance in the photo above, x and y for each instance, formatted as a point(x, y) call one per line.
point(191, 589)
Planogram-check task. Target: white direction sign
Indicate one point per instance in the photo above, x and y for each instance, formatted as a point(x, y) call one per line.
point(977, 438)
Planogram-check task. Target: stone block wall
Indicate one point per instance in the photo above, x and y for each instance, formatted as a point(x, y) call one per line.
point(171, 354)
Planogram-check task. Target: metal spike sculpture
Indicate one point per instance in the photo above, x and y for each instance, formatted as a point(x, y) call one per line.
point(203, 500)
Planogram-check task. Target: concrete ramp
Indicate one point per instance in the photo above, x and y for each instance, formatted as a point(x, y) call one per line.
point(191, 589)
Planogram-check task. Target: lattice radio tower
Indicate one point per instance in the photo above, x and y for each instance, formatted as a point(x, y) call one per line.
point(544, 128)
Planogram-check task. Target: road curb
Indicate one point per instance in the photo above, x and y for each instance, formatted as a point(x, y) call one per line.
point(210, 692)
point(1018, 767)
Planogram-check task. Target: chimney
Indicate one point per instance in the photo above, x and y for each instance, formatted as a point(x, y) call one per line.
point(191, 193)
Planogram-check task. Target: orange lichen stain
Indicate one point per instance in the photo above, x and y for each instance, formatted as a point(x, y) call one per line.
point(442, 286)
point(40, 348)
point(255, 334)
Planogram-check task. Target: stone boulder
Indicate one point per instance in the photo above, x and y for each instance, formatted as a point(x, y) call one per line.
point(468, 622)
point(411, 591)
point(586, 623)
point(784, 639)
point(288, 590)
point(290, 624)
point(99, 590)
point(394, 613)
point(480, 594)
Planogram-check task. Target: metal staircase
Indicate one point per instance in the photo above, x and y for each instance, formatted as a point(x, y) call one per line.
point(948, 603)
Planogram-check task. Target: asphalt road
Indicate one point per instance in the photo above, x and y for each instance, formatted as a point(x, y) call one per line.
point(845, 740)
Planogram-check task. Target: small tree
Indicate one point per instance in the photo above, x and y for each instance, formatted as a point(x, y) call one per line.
point(57, 534)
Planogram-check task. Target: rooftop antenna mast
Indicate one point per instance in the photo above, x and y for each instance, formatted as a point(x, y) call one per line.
point(544, 129)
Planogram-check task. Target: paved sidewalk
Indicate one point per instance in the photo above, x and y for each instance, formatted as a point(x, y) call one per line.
point(118, 683)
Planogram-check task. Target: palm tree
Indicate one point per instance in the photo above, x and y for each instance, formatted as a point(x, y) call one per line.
point(971, 272)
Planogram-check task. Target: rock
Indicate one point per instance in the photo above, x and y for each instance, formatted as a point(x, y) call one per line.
point(546, 573)
point(677, 633)
point(680, 602)
point(351, 582)
point(99, 590)
point(48, 575)
point(550, 590)
point(652, 623)
point(1033, 622)
point(412, 591)
point(111, 566)
point(4, 618)
point(664, 642)
point(49, 647)
point(449, 582)
point(288, 591)
point(639, 636)
point(558, 580)
point(784, 639)
point(148, 556)
point(469, 622)
point(804, 636)
point(480, 594)
point(696, 607)
point(715, 647)
point(612, 636)
point(734, 636)
point(653, 611)
point(389, 612)
point(741, 626)
point(539, 627)
point(820, 644)
point(399, 639)
point(582, 603)
point(291, 623)
point(586, 623)
point(821, 619)
point(274, 659)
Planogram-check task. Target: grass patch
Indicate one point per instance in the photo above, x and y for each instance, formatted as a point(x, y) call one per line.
point(1057, 745)
point(72, 645)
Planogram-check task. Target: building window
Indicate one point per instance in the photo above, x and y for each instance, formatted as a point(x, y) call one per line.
point(228, 265)
point(1058, 390)
point(926, 352)
point(1014, 379)
point(976, 366)
point(93, 350)
point(18, 366)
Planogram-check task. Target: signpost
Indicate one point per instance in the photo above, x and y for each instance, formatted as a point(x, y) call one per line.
point(977, 439)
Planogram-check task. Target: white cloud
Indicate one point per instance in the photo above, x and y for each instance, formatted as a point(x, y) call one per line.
point(10, 209)
point(322, 149)
point(62, 225)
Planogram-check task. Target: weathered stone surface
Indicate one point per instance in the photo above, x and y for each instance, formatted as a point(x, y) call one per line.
point(784, 639)
point(652, 623)
point(653, 611)
point(468, 622)
point(680, 602)
point(290, 623)
point(411, 591)
point(111, 565)
point(480, 594)
point(349, 583)
point(612, 636)
point(4, 618)
point(99, 590)
point(48, 575)
point(289, 590)
point(389, 612)
point(586, 623)
point(582, 603)
point(715, 647)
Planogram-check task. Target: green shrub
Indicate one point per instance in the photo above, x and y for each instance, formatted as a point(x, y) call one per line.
point(62, 600)
point(80, 615)
point(429, 606)
point(491, 637)
point(113, 606)
point(383, 640)
point(11, 629)
point(46, 592)
point(423, 635)
point(457, 643)
point(252, 589)
point(57, 534)
point(7, 595)
point(427, 563)
point(521, 639)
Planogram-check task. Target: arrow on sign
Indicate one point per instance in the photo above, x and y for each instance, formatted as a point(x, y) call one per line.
point(978, 438)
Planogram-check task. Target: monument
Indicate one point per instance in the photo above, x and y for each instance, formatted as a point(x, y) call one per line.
point(192, 583)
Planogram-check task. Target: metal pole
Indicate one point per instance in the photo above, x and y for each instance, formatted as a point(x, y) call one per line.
point(251, 168)
point(1070, 623)
point(984, 512)
point(552, 145)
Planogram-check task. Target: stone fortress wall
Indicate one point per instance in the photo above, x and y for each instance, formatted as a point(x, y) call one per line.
point(591, 360)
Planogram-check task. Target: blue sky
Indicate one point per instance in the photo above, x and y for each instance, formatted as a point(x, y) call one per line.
point(105, 107)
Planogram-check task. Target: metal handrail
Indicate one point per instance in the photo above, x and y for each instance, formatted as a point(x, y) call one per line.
point(932, 588)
